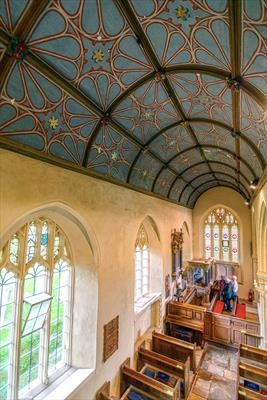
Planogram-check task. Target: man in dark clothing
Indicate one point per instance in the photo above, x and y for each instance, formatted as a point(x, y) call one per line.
point(227, 294)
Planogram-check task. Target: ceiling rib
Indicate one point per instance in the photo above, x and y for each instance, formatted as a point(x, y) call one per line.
point(22, 29)
point(179, 69)
point(235, 54)
point(213, 147)
point(211, 180)
point(28, 20)
point(133, 22)
point(216, 162)
point(224, 183)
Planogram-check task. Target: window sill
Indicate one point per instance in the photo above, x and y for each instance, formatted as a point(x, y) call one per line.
point(144, 302)
point(66, 385)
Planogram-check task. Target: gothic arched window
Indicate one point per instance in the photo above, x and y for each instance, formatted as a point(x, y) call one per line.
point(35, 299)
point(221, 235)
point(141, 264)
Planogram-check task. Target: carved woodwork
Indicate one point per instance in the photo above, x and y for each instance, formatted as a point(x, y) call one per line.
point(111, 338)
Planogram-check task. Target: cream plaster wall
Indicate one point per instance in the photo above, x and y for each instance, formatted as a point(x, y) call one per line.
point(259, 218)
point(101, 221)
point(225, 197)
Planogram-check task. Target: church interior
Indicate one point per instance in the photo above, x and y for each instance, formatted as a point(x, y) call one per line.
point(133, 193)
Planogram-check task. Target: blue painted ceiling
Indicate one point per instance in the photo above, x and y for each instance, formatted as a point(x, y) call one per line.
point(164, 96)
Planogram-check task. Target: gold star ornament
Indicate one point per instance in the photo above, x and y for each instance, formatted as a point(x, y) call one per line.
point(53, 122)
point(98, 55)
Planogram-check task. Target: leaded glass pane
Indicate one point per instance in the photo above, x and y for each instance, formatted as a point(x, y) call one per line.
point(24, 250)
point(44, 240)
point(234, 239)
point(141, 264)
point(35, 282)
point(14, 250)
point(7, 324)
point(207, 248)
point(56, 244)
point(225, 242)
point(59, 321)
point(216, 242)
point(31, 241)
point(35, 311)
point(29, 369)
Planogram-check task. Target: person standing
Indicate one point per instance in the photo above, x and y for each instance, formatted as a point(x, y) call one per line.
point(221, 286)
point(227, 295)
point(234, 288)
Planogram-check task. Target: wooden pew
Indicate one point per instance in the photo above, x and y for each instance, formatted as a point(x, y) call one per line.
point(177, 368)
point(133, 391)
point(174, 348)
point(104, 392)
point(252, 373)
point(253, 353)
point(253, 378)
point(247, 394)
point(152, 387)
point(189, 316)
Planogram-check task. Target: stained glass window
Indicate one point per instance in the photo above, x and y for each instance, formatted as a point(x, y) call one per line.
point(221, 235)
point(37, 300)
point(141, 264)
point(207, 234)
point(234, 241)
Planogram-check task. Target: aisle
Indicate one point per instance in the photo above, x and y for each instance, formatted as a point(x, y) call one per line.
point(217, 374)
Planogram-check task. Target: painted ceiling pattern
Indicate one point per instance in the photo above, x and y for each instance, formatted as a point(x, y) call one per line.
point(163, 96)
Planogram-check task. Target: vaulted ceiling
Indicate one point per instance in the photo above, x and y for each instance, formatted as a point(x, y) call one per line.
point(167, 97)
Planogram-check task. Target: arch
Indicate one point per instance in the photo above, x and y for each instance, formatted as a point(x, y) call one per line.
point(219, 255)
point(85, 255)
point(156, 263)
point(147, 308)
point(187, 245)
point(262, 238)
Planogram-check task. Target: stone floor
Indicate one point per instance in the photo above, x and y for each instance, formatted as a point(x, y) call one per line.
point(217, 374)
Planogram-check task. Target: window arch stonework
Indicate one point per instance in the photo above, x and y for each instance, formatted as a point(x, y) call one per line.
point(221, 233)
point(35, 291)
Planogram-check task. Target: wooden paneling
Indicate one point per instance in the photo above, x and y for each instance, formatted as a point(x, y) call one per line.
point(174, 348)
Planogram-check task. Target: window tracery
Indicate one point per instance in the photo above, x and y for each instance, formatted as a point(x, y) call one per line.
point(35, 270)
point(221, 235)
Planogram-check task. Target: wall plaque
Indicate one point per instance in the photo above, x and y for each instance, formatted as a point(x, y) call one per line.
point(111, 338)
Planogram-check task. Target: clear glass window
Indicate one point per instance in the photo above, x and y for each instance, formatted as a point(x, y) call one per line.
point(35, 320)
point(142, 273)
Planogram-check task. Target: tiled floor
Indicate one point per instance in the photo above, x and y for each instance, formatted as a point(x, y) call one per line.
point(217, 374)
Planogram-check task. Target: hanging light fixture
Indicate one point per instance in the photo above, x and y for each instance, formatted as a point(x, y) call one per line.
point(254, 183)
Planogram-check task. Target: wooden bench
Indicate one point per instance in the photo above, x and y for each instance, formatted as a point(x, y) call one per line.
point(252, 373)
point(104, 392)
point(177, 368)
point(174, 348)
point(252, 379)
point(247, 394)
point(188, 316)
point(152, 387)
point(253, 353)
